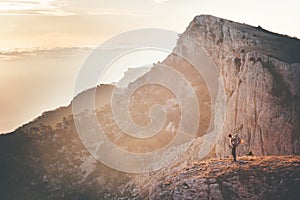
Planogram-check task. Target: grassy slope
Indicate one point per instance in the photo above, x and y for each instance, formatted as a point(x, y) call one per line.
point(251, 178)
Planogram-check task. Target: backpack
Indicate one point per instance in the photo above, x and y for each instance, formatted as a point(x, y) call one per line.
point(235, 140)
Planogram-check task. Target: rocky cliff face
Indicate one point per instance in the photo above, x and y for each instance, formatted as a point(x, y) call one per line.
point(261, 75)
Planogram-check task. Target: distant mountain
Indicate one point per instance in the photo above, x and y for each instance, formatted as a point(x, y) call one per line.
point(45, 159)
point(55, 117)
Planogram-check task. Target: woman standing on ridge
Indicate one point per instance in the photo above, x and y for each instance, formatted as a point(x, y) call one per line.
point(234, 141)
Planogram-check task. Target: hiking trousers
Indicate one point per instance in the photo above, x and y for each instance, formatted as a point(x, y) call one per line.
point(234, 153)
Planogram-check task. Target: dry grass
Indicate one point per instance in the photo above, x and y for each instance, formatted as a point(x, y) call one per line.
point(268, 177)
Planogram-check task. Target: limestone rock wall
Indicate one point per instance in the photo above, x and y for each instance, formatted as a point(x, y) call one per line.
point(262, 84)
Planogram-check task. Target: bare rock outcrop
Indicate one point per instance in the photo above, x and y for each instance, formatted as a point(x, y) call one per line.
point(261, 75)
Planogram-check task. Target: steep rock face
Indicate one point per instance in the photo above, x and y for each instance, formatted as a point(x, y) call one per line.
point(261, 75)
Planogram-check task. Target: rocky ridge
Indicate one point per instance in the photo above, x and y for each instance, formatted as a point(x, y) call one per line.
point(250, 178)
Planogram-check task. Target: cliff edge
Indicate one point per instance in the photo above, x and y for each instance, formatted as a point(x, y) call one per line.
point(260, 71)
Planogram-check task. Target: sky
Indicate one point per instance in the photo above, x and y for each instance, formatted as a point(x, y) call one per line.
point(43, 43)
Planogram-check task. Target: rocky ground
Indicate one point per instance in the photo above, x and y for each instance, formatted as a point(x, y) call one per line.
point(250, 178)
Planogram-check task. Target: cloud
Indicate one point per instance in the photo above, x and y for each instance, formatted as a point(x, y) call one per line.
point(17, 53)
point(59, 51)
point(160, 1)
point(33, 7)
point(134, 14)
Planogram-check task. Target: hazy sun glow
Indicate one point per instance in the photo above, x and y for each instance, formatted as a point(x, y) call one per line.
point(27, 7)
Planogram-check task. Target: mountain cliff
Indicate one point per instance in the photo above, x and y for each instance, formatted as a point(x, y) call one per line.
point(261, 75)
point(260, 70)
